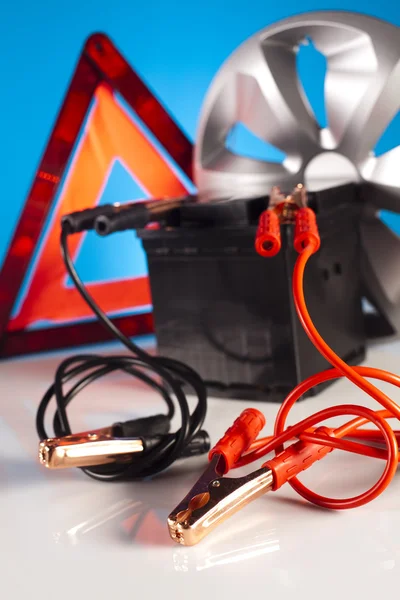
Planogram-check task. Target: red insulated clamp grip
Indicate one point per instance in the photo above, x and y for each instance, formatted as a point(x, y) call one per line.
point(239, 437)
point(268, 236)
point(306, 229)
point(295, 459)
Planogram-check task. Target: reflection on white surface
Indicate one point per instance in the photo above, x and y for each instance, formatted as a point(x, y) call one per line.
point(75, 534)
point(199, 558)
point(111, 539)
point(232, 556)
point(127, 521)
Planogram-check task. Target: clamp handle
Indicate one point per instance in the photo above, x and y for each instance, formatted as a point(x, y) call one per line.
point(238, 438)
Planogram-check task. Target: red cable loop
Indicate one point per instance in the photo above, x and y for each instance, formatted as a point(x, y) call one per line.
point(304, 430)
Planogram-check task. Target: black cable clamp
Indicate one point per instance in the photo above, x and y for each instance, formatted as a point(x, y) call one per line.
point(138, 448)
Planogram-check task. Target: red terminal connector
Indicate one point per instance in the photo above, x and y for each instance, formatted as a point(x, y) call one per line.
point(239, 437)
point(268, 236)
point(282, 210)
point(306, 230)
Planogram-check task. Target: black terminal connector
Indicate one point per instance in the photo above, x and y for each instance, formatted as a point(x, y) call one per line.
point(137, 215)
point(83, 220)
point(111, 218)
point(126, 216)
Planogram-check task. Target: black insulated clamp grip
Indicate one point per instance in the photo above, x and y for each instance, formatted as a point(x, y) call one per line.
point(146, 426)
point(84, 220)
point(198, 445)
point(122, 218)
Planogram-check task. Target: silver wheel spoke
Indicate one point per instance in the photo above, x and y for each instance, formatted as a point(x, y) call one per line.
point(243, 176)
point(259, 87)
point(350, 73)
point(379, 106)
point(292, 126)
point(384, 169)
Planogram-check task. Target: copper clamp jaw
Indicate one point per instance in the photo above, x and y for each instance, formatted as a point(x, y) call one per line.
point(87, 449)
point(119, 443)
point(286, 206)
point(213, 499)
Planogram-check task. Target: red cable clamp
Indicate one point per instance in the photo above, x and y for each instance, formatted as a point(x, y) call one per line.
point(214, 498)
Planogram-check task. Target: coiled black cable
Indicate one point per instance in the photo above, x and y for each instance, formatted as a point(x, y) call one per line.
point(167, 376)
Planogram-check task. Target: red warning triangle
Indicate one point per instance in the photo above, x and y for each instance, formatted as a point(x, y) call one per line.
point(117, 256)
point(109, 134)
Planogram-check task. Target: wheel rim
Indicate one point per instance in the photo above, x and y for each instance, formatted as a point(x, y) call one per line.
point(258, 86)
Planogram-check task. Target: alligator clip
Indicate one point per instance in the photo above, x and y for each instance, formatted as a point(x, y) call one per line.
point(118, 443)
point(286, 207)
point(88, 449)
point(214, 498)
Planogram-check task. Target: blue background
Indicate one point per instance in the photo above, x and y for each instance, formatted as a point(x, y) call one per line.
point(176, 47)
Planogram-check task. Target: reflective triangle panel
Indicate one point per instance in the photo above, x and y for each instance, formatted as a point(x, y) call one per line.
point(113, 141)
point(110, 135)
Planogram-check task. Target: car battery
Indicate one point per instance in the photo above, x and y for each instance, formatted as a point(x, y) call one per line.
point(229, 313)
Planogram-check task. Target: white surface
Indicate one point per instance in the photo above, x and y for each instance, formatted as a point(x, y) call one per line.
point(63, 534)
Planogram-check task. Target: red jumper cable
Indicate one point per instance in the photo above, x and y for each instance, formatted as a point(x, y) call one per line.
point(215, 497)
